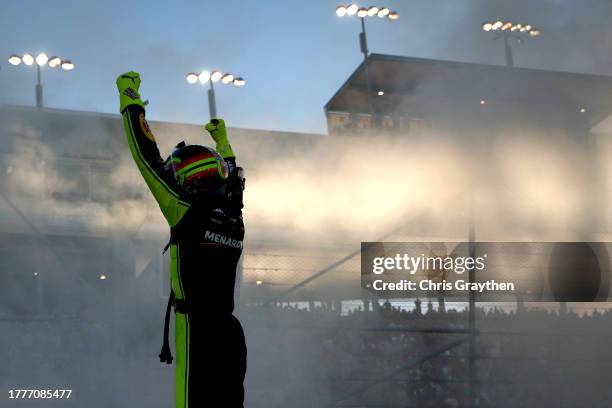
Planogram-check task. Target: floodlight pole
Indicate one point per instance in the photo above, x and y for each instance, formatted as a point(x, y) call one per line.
point(509, 31)
point(213, 77)
point(508, 49)
point(363, 42)
point(212, 103)
point(41, 60)
point(39, 89)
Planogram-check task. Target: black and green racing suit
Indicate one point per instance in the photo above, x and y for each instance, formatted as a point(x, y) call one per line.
point(205, 247)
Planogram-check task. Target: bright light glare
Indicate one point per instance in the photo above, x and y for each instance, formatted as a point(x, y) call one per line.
point(383, 12)
point(67, 65)
point(482, 102)
point(497, 25)
point(27, 59)
point(102, 277)
point(372, 11)
point(215, 76)
point(14, 60)
point(41, 59)
point(351, 10)
point(582, 110)
point(393, 16)
point(534, 32)
point(238, 82)
point(258, 282)
point(204, 76)
point(192, 78)
point(55, 62)
point(341, 11)
point(506, 26)
point(381, 93)
point(362, 12)
point(227, 78)
point(514, 28)
point(487, 26)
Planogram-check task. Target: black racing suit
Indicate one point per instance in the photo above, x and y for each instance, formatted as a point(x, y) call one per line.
point(205, 246)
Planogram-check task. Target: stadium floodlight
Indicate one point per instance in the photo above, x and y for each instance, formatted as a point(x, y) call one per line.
point(381, 93)
point(362, 13)
point(508, 31)
point(211, 78)
point(14, 60)
point(103, 277)
point(41, 59)
point(55, 62)
point(394, 15)
point(27, 59)
point(383, 12)
point(67, 65)
point(192, 78)
point(227, 78)
point(582, 110)
point(204, 77)
point(216, 76)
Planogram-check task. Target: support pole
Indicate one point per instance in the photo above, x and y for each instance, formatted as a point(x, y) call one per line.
point(39, 89)
point(212, 103)
point(508, 50)
point(363, 42)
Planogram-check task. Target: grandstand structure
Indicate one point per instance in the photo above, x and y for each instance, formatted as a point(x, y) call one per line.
point(411, 94)
point(79, 167)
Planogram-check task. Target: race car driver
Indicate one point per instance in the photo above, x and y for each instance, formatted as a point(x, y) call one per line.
point(199, 191)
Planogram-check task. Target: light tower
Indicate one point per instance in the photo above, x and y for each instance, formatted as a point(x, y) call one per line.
point(508, 31)
point(363, 13)
point(41, 60)
point(211, 78)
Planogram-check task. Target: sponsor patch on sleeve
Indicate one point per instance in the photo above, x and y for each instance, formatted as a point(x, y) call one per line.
point(145, 128)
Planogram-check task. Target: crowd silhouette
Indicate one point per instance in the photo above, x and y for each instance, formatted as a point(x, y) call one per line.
point(321, 354)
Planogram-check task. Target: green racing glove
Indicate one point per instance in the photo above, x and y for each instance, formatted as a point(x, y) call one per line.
point(216, 128)
point(128, 85)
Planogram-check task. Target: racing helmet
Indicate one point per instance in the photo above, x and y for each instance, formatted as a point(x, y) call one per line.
point(199, 170)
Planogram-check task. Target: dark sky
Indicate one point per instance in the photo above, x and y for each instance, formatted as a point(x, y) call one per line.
point(294, 55)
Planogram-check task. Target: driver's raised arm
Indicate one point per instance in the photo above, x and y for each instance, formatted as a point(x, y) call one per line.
point(170, 197)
